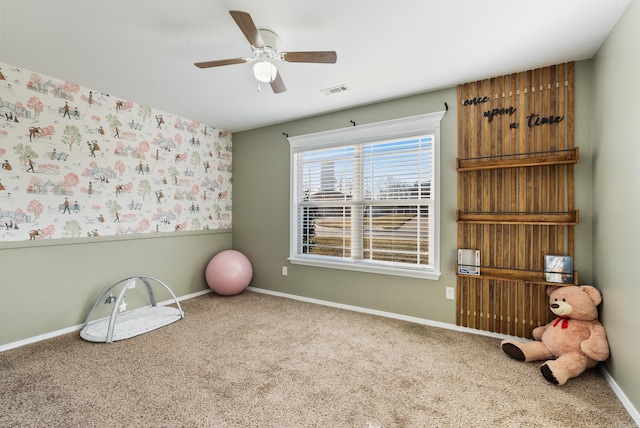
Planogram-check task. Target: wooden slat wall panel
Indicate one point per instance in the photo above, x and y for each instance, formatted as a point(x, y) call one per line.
point(507, 306)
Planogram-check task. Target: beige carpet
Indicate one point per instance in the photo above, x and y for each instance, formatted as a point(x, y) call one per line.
point(256, 360)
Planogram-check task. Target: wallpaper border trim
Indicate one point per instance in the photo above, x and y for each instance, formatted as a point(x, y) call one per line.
point(10, 245)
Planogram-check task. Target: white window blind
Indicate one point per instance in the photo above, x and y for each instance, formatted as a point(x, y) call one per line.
point(366, 199)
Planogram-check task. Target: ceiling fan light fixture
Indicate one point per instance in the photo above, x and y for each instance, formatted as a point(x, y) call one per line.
point(264, 71)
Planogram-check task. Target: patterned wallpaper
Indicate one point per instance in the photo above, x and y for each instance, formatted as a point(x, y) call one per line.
point(80, 163)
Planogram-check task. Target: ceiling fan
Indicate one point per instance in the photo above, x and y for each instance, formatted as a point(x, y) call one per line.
point(264, 46)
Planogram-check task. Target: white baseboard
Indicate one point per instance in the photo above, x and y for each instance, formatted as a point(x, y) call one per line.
point(40, 337)
point(633, 412)
point(416, 320)
point(79, 327)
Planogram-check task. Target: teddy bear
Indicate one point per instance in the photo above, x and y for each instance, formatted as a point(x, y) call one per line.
point(571, 343)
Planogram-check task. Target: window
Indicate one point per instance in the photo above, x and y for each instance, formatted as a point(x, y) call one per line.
point(366, 198)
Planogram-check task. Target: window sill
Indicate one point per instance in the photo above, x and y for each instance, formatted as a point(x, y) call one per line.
point(366, 267)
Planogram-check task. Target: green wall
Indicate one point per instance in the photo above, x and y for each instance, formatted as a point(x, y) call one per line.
point(261, 212)
point(616, 181)
point(51, 286)
point(261, 208)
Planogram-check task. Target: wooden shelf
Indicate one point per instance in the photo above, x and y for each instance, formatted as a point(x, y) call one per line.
point(516, 196)
point(559, 218)
point(515, 275)
point(556, 157)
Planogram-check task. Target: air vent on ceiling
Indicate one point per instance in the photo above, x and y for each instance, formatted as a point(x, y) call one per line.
point(335, 89)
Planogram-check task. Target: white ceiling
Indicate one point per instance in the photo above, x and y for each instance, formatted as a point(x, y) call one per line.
point(144, 50)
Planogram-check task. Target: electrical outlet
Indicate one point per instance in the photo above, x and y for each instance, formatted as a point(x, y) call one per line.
point(449, 293)
point(284, 271)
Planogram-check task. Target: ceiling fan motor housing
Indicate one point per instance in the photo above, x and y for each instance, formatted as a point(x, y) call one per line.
point(271, 44)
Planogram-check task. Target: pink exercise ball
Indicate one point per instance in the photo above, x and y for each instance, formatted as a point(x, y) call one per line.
point(229, 272)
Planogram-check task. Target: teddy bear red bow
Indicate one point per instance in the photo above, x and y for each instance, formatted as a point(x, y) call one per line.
point(571, 343)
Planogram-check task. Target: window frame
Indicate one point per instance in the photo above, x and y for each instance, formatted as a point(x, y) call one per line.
point(405, 127)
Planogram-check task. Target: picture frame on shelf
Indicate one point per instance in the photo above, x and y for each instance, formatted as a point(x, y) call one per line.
point(558, 269)
point(468, 261)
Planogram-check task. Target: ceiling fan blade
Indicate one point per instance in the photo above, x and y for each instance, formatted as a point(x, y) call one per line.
point(277, 85)
point(249, 29)
point(218, 63)
point(327, 57)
